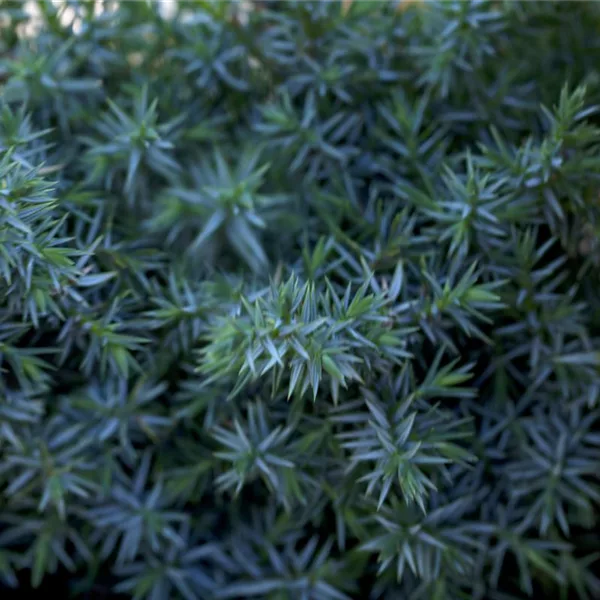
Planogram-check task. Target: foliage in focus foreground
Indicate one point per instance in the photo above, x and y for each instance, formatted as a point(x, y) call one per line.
point(300, 303)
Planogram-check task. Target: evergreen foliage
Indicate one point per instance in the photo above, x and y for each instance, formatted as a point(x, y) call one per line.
point(300, 302)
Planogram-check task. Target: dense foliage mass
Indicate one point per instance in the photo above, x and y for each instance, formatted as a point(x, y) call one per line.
point(301, 301)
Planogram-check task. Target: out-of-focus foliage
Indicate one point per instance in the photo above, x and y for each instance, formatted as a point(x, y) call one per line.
point(300, 300)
